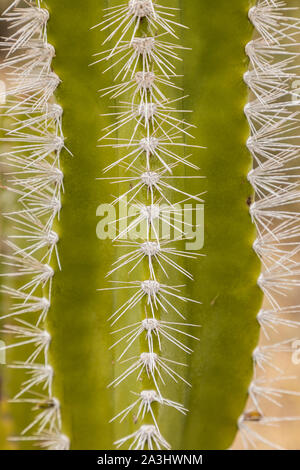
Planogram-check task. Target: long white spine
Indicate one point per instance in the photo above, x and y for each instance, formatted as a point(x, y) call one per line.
point(273, 115)
point(34, 141)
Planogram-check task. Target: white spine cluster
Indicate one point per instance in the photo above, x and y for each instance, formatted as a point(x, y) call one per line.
point(274, 118)
point(152, 151)
point(33, 140)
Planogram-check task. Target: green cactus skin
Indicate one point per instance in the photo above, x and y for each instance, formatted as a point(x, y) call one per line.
point(221, 366)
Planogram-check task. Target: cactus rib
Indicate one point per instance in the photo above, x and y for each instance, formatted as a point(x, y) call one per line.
point(34, 130)
point(273, 118)
point(143, 340)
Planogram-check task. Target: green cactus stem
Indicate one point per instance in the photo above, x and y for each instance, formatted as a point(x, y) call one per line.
point(148, 342)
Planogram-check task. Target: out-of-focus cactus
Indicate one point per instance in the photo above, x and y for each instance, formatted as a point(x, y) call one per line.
point(144, 338)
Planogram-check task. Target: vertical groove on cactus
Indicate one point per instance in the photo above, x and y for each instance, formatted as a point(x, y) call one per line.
point(106, 333)
point(151, 143)
point(273, 116)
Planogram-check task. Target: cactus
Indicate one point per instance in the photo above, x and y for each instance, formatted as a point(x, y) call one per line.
point(142, 338)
